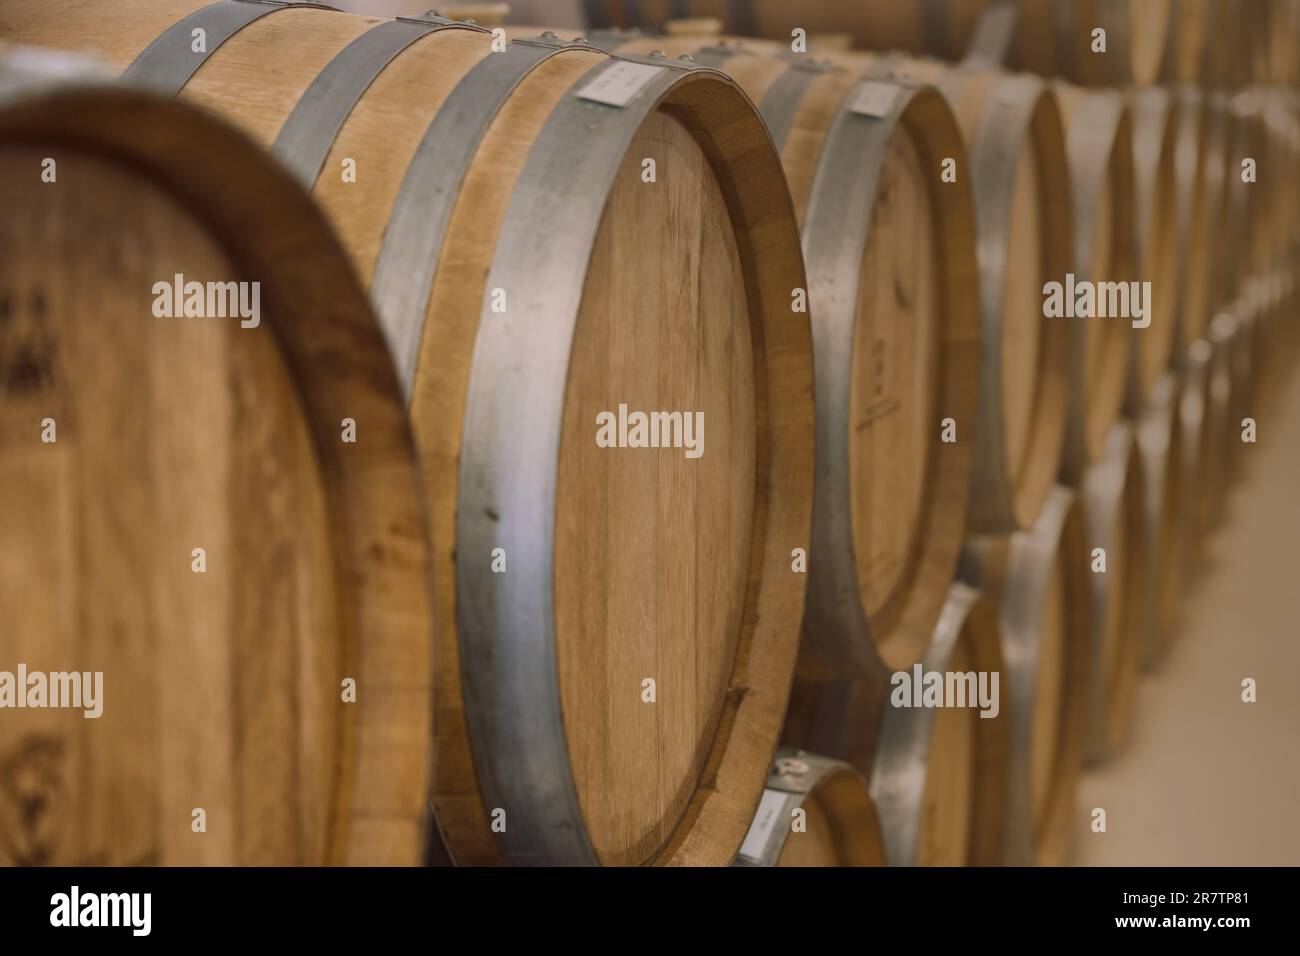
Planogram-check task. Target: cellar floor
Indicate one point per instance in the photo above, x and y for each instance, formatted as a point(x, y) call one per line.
point(1207, 779)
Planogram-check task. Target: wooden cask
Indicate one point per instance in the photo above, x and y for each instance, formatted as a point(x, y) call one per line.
point(1193, 422)
point(1123, 591)
point(1199, 176)
point(1041, 579)
point(1185, 40)
point(1023, 225)
point(1222, 434)
point(183, 513)
point(1156, 139)
point(499, 215)
point(942, 27)
point(1099, 145)
point(890, 252)
point(1160, 443)
point(939, 774)
point(1056, 38)
point(813, 812)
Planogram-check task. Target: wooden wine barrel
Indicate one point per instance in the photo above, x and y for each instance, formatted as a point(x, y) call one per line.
point(1041, 579)
point(1185, 40)
point(1242, 370)
point(1160, 443)
point(1249, 228)
point(1193, 421)
point(182, 512)
point(942, 27)
point(1099, 145)
point(1230, 57)
point(890, 251)
point(1156, 137)
point(1123, 596)
point(1024, 241)
point(1055, 38)
point(1199, 172)
point(1220, 434)
point(939, 774)
point(598, 609)
point(813, 812)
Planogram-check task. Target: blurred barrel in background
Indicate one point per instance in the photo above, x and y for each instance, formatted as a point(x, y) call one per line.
point(1122, 583)
point(1040, 578)
point(1099, 145)
point(1160, 443)
point(813, 812)
point(1193, 419)
point(935, 26)
point(469, 184)
point(1156, 195)
point(939, 774)
point(1061, 39)
point(180, 510)
point(1024, 241)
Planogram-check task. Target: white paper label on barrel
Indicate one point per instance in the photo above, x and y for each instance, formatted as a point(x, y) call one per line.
point(874, 99)
point(620, 84)
point(766, 820)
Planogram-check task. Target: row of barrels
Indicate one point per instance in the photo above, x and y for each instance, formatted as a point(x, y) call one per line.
point(606, 641)
point(946, 787)
point(1213, 43)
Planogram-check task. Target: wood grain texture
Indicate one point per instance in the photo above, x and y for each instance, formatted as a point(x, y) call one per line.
point(221, 688)
point(671, 535)
point(895, 365)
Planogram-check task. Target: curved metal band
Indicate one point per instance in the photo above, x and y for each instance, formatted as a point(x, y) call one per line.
point(714, 56)
point(1006, 120)
point(781, 103)
point(1032, 557)
point(898, 775)
point(308, 134)
point(417, 225)
point(167, 63)
point(508, 469)
point(834, 238)
point(794, 775)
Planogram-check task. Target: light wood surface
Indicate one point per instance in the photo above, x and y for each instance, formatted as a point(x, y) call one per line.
point(841, 826)
point(672, 534)
point(221, 689)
